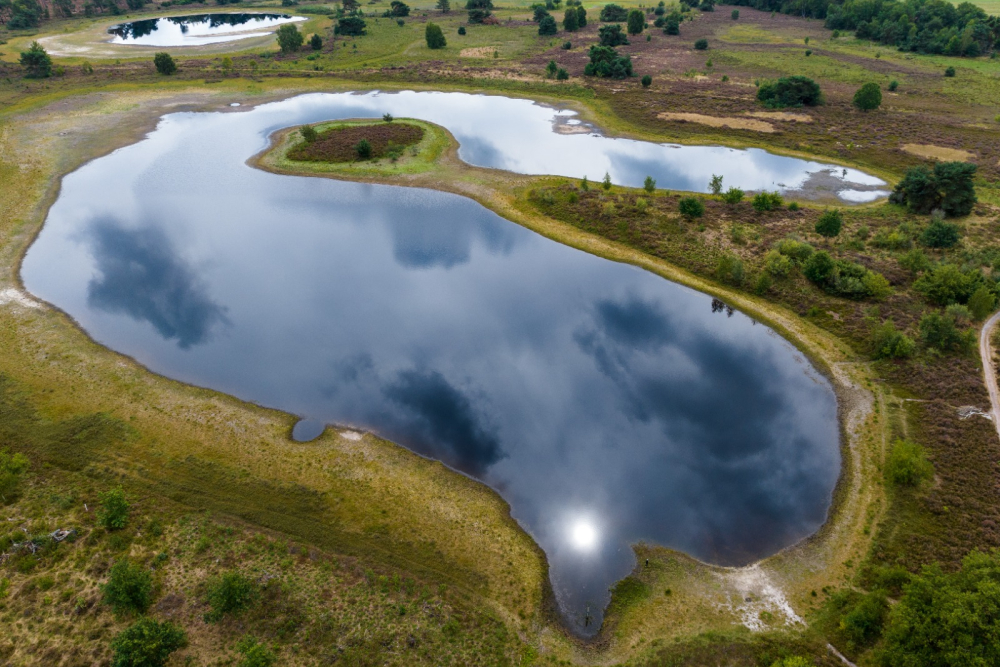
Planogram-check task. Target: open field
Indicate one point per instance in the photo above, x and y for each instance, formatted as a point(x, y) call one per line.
point(383, 557)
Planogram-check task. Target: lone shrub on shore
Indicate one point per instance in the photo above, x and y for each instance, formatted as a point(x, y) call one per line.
point(829, 223)
point(908, 464)
point(164, 63)
point(129, 589)
point(289, 38)
point(36, 62)
point(146, 643)
point(114, 509)
point(691, 207)
point(868, 97)
point(434, 36)
point(308, 133)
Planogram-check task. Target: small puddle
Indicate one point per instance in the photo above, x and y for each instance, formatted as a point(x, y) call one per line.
point(197, 29)
point(307, 429)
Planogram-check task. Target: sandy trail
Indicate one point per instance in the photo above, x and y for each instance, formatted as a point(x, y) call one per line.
point(989, 373)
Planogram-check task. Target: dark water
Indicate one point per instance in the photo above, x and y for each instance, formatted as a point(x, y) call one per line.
point(307, 429)
point(606, 404)
point(195, 29)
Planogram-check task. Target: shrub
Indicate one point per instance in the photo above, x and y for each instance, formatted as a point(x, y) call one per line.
point(309, 133)
point(289, 38)
point(950, 72)
point(636, 22)
point(398, 8)
point(940, 332)
point(792, 91)
point(776, 264)
point(547, 26)
point(885, 341)
point(316, 42)
point(605, 62)
point(581, 16)
point(715, 184)
point(868, 97)
point(649, 184)
point(562, 74)
point(606, 182)
point(551, 69)
point(733, 196)
point(254, 653)
point(766, 201)
point(819, 267)
point(907, 464)
point(434, 36)
point(129, 589)
point(672, 25)
point(36, 61)
point(647, 81)
point(691, 207)
point(461, 30)
point(735, 15)
point(701, 45)
point(982, 303)
point(146, 643)
point(567, 46)
point(363, 149)
point(863, 623)
point(613, 12)
point(893, 85)
point(352, 26)
point(114, 509)
point(12, 468)
point(612, 35)
point(949, 188)
point(164, 63)
point(946, 284)
point(729, 269)
point(829, 223)
point(231, 593)
point(797, 250)
point(940, 234)
point(571, 22)
point(915, 261)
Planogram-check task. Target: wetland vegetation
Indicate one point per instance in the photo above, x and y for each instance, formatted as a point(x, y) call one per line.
point(241, 544)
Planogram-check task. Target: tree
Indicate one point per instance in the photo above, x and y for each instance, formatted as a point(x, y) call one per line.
point(571, 21)
point(478, 15)
point(36, 62)
point(947, 619)
point(885, 341)
point(316, 42)
point(940, 234)
point(289, 38)
point(735, 15)
point(829, 223)
point(12, 467)
point(613, 12)
point(691, 207)
point(868, 97)
point(672, 25)
point(129, 589)
point(733, 196)
point(164, 63)
point(647, 81)
point(612, 35)
point(547, 26)
point(649, 184)
point(364, 149)
point(398, 8)
point(352, 26)
point(954, 181)
point(940, 332)
point(114, 509)
point(605, 62)
point(606, 183)
point(434, 36)
point(820, 267)
point(581, 16)
point(791, 91)
point(907, 464)
point(982, 302)
point(636, 22)
point(701, 45)
point(444, 6)
point(254, 653)
point(715, 184)
point(146, 643)
point(231, 593)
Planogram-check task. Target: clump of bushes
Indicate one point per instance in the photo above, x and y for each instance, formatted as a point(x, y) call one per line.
point(868, 97)
point(844, 278)
point(885, 341)
point(908, 464)
point(701, 45)
point(146, 643)
point(729, 269)
point(766, 201)
point(691, 207)
point(613, 12)
point(791, 91)
point(948, 188)
point(733, 196)
point(605, 62)
point(129, 589)
point(612, 35)
point(942, 332)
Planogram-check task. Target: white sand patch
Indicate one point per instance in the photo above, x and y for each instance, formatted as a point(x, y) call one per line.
point(757, 600)
point(350, 435)
point(17, 298)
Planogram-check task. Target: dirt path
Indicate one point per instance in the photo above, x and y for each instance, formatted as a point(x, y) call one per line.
point(989, 373)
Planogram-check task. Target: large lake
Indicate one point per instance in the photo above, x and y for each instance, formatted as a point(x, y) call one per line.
point(605, 404)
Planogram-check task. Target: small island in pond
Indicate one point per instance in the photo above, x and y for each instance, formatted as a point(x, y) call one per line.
point(353, 141)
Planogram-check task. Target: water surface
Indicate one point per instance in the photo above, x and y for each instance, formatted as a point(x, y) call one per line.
point(605, 404)
point(197, 29)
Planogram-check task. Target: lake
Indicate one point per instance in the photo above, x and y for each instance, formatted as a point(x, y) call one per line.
point(197, 29)
point(604, 403)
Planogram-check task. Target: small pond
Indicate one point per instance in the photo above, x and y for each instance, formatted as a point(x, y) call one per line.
point(197, 29)
point(605, 404)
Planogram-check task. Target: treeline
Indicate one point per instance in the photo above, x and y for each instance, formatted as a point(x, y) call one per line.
point(27, 14)
point(922, 26)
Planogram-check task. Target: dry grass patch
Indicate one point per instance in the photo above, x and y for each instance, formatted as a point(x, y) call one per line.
point(932, 152)
point(478, 52)
point(719, 121)
point(782, 115)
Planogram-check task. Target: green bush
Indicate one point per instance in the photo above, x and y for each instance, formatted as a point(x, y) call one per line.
point(792, 91)
point(766, 201)
point(797, 250)
point(636, 22)
point(36, 62)
point(363, 149)
point(691, 207)
point(309, 133)
point(12, 469)
point(316, 42)
point(868, 97)
point(164, 63)
point(982, 303)
point(612, 35)
point(846, 279)
point(729, 269)
point(352, 26)
point(114, 509)
point(254, 653)
point(672, 25)
point(735, 15)
point(701, 45)
point(950, 72)
point(732, 196)
point(863, 623)
point(829, 223)
point(946, 284)
point(941, 332)
point(232, 593)
point(289, 38)
point(947, 619)
point(647, 81)
point(893, 86)
point(613, 12)
point(940, 234)
point(571, 22)
point(949, 188)
point(885, 341)
point(915, 261)
point(461, 30)
point(776, 264)
point(434, 36)
point(605, 62)
point(562, 74)
point(649, 184)
point(146, 643)
point(129, 589)
point(907, 464)
point(547, 26)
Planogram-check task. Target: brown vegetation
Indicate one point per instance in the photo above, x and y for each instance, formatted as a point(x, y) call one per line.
point(339, 144)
